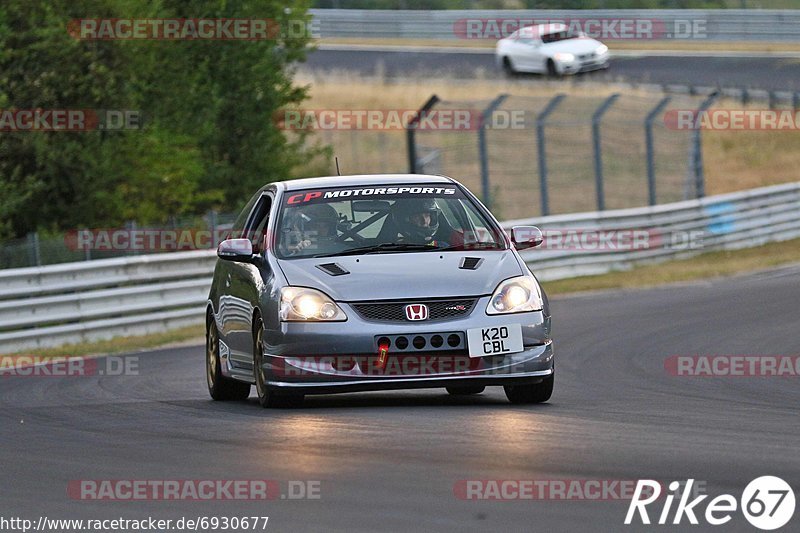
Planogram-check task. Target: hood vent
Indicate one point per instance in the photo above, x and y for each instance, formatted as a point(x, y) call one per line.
point(333, 269)
point(470, 263)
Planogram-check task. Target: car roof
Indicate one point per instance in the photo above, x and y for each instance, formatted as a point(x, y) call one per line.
point(364, 179)
point(541, 29)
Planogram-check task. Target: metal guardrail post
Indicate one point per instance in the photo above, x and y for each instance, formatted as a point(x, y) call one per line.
point(598, 154)
point(486, 116)
point(411, 127)
point(649, 146)
point(540, 143)
point(699, 177)
point(796, 101)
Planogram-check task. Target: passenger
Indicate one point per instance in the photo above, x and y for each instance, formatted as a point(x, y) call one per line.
point(312, 230)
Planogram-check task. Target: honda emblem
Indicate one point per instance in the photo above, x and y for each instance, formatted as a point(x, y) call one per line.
point(417, 312)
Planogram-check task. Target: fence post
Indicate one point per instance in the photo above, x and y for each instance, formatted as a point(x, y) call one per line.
point(648, 140)
point(34, 253)
point(87, 251)
point(598, 154)
point(699, 177)
point(540, 124)
point(411, 127)
point(131, 225)
point(212, 224)
point(486, 116)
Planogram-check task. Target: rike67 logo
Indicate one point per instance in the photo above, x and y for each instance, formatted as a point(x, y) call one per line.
point(767, 502)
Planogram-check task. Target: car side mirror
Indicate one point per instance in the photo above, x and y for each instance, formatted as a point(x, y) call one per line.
point(239, 250)
point(525, 237)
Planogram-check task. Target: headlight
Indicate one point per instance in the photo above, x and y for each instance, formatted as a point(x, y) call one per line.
point(299, 304)
point(564, 57)
point(515, 295)
point(602, 49)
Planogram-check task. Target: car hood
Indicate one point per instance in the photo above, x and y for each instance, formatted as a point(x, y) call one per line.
point(572, 46)
point(403, 275)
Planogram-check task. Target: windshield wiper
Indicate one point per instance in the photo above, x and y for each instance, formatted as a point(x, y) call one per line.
point(383, 247)
point(472, 246)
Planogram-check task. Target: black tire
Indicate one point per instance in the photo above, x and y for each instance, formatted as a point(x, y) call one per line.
point(220, 387)
point(533, 393)
point(466, 390)
point(266, 397)
point(551, 69)
point(508, 67)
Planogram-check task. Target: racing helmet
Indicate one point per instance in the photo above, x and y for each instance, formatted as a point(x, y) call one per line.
point(313, 217)
point(403, 212)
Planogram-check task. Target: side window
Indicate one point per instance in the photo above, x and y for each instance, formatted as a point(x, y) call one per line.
point(257, 231)
point(241, 220)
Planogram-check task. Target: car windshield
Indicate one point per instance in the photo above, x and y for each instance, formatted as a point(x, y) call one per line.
point(381, 219)
point(560, 36)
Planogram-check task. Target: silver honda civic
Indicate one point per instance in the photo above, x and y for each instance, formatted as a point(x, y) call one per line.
point(379, 282)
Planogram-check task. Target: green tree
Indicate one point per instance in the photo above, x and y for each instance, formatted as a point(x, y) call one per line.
point(207, 138)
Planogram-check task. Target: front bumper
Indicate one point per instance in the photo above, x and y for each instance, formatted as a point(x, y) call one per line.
point(320, 358)
point(597, 62)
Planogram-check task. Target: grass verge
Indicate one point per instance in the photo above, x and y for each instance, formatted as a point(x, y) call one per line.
point(123, 344)
point(709, 265)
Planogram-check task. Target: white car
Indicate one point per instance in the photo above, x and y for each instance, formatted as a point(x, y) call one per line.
point(552, 49)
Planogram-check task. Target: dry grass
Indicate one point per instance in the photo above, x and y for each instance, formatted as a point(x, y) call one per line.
point(346, 90)
point(734, 160)
point(181, 336)
point(709, 265)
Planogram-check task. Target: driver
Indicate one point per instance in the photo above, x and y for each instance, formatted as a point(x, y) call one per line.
point(313, 228)
point(417, 221)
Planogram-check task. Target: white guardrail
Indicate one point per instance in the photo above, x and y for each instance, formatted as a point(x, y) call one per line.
point(78, 302)
point(664, 24)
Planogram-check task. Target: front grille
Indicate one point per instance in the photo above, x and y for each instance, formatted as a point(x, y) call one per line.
point(396, 311)
point(428, 342)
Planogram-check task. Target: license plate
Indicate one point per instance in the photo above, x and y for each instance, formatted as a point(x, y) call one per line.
point(496, 340)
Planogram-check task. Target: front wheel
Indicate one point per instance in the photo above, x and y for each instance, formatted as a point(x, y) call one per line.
point(266, 397)
point(531, 393)
point(508, 67)
point(552, 71)
point(220, 387)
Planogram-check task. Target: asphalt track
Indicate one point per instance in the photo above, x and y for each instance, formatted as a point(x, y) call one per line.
point(389, 461)
point(768, 73)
